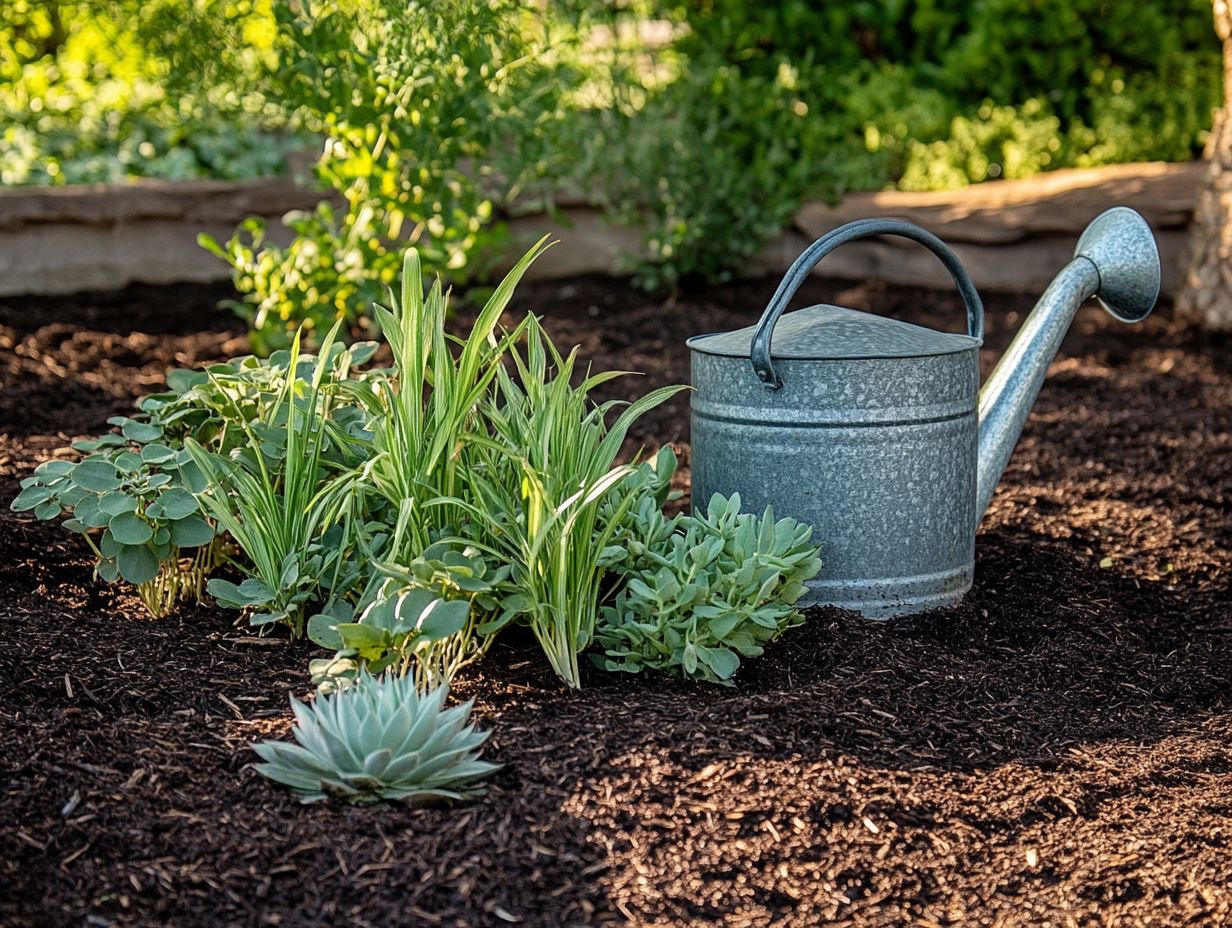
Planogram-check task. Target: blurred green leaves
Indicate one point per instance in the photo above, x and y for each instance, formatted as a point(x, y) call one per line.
point(435, 114)
point(96, 91)
point(706, 122)
point(715, 138)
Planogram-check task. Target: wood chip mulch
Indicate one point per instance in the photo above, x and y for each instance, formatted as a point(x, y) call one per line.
point(1057, 750)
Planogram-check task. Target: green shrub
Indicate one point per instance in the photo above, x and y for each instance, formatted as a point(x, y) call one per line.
point(434, 113)
point(704, 591)
point(766, 104)
point(437, 116)
point(999, 142)
point(334, 267)
point(715, 164)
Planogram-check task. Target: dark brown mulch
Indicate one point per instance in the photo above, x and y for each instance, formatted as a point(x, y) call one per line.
point(1053, 751)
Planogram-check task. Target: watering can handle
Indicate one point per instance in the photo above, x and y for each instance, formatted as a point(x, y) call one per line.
point(862, 228)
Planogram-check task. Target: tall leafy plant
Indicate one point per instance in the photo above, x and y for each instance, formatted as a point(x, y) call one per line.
point(538, 489)
point(423, 417)
point(426, 415)
point(715, 164)
point(294, 524)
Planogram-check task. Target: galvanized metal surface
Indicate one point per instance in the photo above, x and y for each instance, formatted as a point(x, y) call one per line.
point(867, 432)
point(760, 351)
point(878, 456)
point(1011, 389)
point(820, 333)
point(1123, 249)
point(1116, 260)
point(875, 431)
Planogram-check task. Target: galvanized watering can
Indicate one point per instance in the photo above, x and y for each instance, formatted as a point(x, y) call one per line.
point(875, 431)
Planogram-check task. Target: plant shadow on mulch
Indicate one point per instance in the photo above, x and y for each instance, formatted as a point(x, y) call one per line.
point(1053, 749)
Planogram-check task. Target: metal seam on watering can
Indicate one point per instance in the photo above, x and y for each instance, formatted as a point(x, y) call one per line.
point(875, 431)
point(729, 414)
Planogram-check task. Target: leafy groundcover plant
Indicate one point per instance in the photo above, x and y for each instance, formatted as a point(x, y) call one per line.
point(431, 618)
point(706, 591)
point(132, 499)
point(381, 739)
point(143, 473)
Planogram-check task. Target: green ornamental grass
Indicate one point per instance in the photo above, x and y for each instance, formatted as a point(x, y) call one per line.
point(280, 519)
point(425, 417)
point(539, 487)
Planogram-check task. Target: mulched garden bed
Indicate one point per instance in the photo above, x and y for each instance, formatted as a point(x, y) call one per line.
point(1055, 750)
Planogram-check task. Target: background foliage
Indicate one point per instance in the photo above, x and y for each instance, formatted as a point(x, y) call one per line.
point(910, 93)
point(706, 121)
point(434, 113)
point(106, 90)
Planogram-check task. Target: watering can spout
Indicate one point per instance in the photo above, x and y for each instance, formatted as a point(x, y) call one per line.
point(1116, 261)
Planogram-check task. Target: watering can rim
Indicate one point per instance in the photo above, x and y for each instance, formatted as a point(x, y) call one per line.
point(942, 343)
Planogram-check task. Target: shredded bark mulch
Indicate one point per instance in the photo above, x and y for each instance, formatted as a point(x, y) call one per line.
point(1055, 750)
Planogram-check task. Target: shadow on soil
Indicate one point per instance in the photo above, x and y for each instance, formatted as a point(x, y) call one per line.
point(1044, 655)
point(127, 750)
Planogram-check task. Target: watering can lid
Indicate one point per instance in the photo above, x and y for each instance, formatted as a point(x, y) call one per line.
point(837, 333)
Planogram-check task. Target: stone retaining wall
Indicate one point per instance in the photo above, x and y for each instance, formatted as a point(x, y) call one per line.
point(1012, 235)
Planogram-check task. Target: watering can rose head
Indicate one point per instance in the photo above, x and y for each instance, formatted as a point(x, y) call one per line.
point(876, 432)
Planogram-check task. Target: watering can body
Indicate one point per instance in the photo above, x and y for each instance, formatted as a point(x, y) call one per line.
point(873, 430)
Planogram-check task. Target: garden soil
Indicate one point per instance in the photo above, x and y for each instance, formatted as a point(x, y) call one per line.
point(1056, 750)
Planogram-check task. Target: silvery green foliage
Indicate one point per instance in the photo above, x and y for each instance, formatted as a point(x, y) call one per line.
point(431, 618)
point(132, 498)
point(398, 630)
point(213, 404)
point(380, 739)
point(712, 590)
point(642, 525)
point(136, 495)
